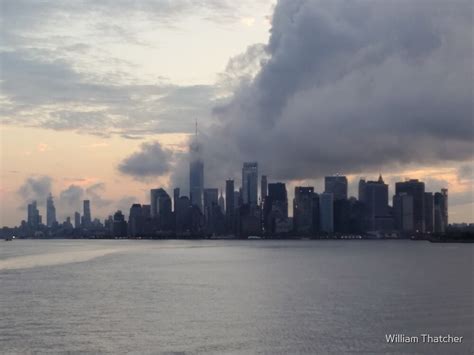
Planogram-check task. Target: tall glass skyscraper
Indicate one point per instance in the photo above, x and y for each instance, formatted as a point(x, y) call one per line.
point(196, 173)
point(250, 183)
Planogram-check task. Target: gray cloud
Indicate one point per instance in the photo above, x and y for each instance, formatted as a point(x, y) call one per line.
point(35, 188)
point(71, 197)
point(151, 160)
point(352, 87)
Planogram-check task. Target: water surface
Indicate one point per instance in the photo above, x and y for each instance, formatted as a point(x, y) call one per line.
point(145, 296)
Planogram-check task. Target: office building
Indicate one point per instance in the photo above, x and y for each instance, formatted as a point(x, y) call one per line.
point(33, 217)
point(263, 188)
point(77, 220)
point(416, 189)
point(303, 210)
point(86, 214)
point(337, 186)
point(196, 173)
point(326, 212)
point(374, 196)
point(404, 212)
point(429, 212)
point(50, 211)
point(250, 183)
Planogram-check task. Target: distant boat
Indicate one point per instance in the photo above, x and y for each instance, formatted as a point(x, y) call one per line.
point(9, 239)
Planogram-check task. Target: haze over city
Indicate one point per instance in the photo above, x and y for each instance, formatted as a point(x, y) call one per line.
point(98, 100)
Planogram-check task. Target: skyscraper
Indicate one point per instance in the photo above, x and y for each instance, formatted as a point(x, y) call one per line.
point(221, 203)
point(336, 185)
point(403, 210)
point(429, 212)
point(77, 220)
point(303, 210)
point(263, 188)
point(326, 212)
point(160, 203)
point(86, 214)
point(276, 207)
point(440, 208)
point(176, 193)
point(416, 189)
point(196, 173)
point(229, 205)
point(33, 218)
point(50, 211)
point(250, 183)
point(135, 220)
point(374, 195)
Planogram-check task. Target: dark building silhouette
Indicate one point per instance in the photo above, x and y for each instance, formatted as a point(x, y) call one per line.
point(211, 215)
point(416, 189)
point(429, 212)
point(337, 186)
point(440, 208)
point(86, 214)
point(50, 211)
point(33, 217)
point(229, 206)
point(196, 173)
point(250, 184)
point(263, 188)
point(374, 196)
point(303, 210)
point(326, 212)
point(77, 220)
point(276, 207)
point(136, 221)
point(403, 211)
point(161, 209)
point(176, 194)
point(119, 227)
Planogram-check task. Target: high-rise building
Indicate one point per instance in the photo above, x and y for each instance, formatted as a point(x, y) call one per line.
point(429, 212)
point(183, 214)
point(229, 205)
point(374, 195)
point(211, 198)
point(326, 212)
point(403, 210)
point(303, 210)
point(161, 212)
point(263, 188)
point(276, 207)
point(250, 183)
point(86, 214)
point(336, 185)
point(135, 220)
point(33, 218)
point(416, 189)
point(50, 211)
point(119, 227)
point(196, 173)
point(444, 192)
point(221, 203)
point(77, 220)
point(440, 208)
point(176, 195)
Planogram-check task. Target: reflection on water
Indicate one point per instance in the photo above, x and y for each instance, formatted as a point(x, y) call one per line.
point(233, 296)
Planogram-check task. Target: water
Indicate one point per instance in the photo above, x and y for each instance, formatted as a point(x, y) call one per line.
point(233, 296)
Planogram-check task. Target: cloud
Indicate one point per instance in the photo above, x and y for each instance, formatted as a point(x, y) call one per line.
point(35, 188)
point(71, 197)
point(151, 160)
point(351, 87)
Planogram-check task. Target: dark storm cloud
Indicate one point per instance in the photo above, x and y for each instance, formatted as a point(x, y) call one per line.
point(35, 188)
point(151, 160)
point(353, 86)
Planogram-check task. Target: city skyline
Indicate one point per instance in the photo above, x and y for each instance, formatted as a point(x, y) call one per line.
point(106, 111)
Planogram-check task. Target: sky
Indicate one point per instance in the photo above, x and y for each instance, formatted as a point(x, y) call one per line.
point(98, 100)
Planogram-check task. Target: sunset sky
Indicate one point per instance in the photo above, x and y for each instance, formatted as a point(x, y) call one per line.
point(98, 98)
